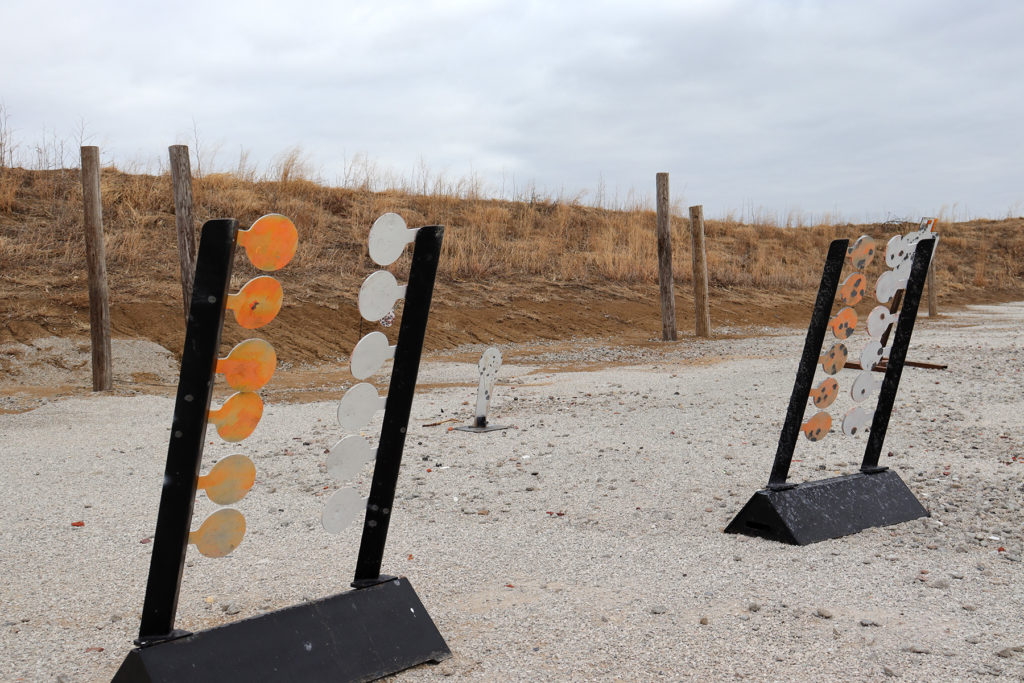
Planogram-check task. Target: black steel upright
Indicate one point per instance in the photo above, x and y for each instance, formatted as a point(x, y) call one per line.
point(808, 363)
point(418, 294)
point(188, 428)
point(898, 355)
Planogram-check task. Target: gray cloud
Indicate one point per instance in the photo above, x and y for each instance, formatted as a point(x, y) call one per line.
point(869, 109)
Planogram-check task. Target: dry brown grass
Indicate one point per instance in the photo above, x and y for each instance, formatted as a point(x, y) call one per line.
point(40, 215)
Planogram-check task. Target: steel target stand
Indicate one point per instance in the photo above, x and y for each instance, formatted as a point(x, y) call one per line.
point(875, 496)
point(379, 628)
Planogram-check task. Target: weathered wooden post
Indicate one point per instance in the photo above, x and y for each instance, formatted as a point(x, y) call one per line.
point(181, 179)
point(95, 254)
point(702, 312)
point(668, 297)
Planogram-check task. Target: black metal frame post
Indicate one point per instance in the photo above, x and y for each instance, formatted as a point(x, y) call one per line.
point(418, 294)
point(808, 363)
point(188, 428)
point(898, 355)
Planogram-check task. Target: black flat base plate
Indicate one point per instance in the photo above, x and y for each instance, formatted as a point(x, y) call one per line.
point(361, 635)
point(478, 430)
point(829, 508)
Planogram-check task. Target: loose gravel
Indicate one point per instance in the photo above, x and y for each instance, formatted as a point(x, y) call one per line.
point(583, 543)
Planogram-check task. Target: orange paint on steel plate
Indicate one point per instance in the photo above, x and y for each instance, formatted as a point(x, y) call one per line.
point(844, 323)
point(229, 480)
point(817, 426)
point(257, 303)
point(271, 241)
point(825, 393)
point(249, 366)
point(833, 360)
point(238, 417)
point(853, 289)
point(221, 533)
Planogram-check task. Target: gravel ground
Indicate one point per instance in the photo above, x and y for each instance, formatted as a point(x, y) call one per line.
point(585, 542)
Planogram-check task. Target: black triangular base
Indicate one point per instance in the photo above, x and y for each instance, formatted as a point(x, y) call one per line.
point(361, 635)
point(818, 510)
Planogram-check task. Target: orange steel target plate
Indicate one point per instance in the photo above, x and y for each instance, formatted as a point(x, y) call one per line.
point(239, 415)
point(861, 252)
point(853, 289)
point(257, 303)
point(844, 323)
point(834, 359)
point(825, 393)
point(229, 480)
point(221, 533)
point(817, 426)
point(249, 365)
point(271, 241)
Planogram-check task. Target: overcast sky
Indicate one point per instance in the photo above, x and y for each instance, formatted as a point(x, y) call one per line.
point(866, 109)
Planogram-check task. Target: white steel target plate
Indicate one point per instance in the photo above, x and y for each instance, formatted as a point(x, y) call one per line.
point(358, 405)
point(369, 355)
point(388, 238)
point(857, 420)
point(378, 295)
point(879, 320)
point(873, 354)
point(348, 456)
point(341, 509)
point(864, 385)
point(488, 366)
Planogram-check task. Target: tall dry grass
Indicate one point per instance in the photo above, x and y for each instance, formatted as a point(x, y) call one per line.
point(486, 239)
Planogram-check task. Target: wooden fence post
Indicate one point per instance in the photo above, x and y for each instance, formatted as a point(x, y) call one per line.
point(95, 254)
point(668, 297)
point(702, 312)
point(933, 304)
point(181, 178)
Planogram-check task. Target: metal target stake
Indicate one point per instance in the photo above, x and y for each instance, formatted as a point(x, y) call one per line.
point(488, 366)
